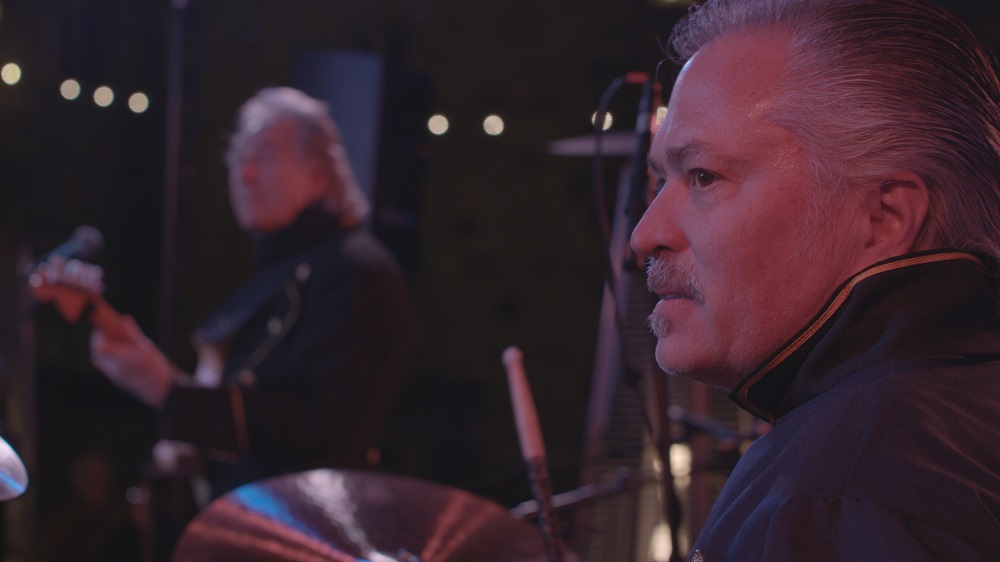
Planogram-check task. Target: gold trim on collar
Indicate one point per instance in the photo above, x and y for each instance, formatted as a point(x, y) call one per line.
point(742, 394)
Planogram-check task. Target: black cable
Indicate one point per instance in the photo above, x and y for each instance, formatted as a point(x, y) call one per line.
point(600, 195)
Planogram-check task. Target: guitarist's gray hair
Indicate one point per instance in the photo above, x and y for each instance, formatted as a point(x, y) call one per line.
point(318, 137)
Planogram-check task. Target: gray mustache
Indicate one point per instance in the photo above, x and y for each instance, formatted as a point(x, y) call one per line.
point(669, 276)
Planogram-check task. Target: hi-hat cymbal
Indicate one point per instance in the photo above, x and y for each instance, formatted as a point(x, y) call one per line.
point(13, 475)
point(612, 143)
point(355, 516)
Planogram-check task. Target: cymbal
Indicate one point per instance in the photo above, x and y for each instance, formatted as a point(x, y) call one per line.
point(613, 143)
point(13, 475)
point(356, 516)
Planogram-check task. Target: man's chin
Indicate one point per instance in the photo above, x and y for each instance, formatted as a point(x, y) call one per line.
point(711, 373)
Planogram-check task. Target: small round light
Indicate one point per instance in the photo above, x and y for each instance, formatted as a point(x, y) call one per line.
point(437, 124)
point(608, 120)
point(104, 96)
point(661, 114)
point(138, 102)
point(493, 125)
point(10, 73)
point(136, 496)
point(70, 89)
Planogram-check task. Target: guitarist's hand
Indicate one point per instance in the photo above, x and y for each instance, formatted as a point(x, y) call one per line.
point(132, 361)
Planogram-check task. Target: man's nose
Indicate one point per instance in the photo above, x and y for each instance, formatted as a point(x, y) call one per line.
point(657, 229)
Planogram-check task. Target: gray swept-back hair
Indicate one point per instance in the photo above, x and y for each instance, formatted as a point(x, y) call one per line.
point(879, 86)
point(318, 137)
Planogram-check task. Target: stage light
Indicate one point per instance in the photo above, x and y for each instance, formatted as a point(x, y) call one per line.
point(661, 114)
point(70, 89)
point(10, 73)
point(136, 495)
point(437, 124)
point(608, 120)
point(138, 102)
point(493, 125)
point(104, 96)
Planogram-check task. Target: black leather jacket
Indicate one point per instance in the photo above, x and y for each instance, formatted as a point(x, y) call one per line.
point(886, 439)
point(317, 342)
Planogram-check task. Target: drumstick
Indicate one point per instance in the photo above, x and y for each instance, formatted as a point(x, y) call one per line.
point(529, 433)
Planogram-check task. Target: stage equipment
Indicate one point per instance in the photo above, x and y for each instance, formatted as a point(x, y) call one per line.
point(624, 482)
point(626, 420)
point(613, 143)
point(351, 84)
point(85, 243)
point(356, 516)
point(637, 417)
point(529, 434)
point(13, 475)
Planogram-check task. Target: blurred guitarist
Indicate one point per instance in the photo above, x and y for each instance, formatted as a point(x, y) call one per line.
point(298, 367)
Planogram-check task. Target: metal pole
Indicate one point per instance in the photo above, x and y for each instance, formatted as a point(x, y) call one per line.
point(171, 187)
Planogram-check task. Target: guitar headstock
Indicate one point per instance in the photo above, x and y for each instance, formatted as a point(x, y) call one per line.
point(70, 284)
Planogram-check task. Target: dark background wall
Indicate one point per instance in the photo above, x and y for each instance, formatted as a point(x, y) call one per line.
point(504, 249)
point(508, 249)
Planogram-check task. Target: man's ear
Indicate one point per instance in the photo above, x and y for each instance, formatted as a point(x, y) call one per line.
point(897, 209)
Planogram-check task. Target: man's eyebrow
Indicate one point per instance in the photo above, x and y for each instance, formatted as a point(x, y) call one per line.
point(676, 156)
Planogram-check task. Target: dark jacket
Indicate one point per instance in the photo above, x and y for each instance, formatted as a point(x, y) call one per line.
point(886, 439)
point(317, 342)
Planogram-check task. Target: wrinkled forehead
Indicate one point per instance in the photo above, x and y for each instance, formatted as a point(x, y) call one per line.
point(742, 69)
point(728, 89)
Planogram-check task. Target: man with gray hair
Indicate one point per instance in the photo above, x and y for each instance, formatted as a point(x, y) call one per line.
point(824, 240)
point(297, 369)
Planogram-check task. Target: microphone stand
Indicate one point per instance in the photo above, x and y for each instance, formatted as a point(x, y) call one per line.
point(660, 431)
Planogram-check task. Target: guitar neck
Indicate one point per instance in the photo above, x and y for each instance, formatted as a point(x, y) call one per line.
point(104, 317)
point(76, 288)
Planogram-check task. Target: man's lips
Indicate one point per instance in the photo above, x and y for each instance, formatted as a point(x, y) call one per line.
point(671, 292)
point(672, 295)
point(670, 302)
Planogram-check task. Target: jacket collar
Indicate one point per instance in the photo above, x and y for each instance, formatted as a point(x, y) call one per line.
point(276, 258)
point(928, 303)
point(311, 225)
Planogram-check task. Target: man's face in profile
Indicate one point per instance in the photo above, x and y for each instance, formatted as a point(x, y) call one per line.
point(739, 253)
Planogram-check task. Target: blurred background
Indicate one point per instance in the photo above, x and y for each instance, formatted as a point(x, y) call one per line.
point(116, 113)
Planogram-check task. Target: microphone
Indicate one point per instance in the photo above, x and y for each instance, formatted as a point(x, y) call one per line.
point(86, 243)
point(640, 178)
point(643, 133)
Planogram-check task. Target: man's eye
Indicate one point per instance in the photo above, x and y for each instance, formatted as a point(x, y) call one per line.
point(656, 187)
point(703, 178)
